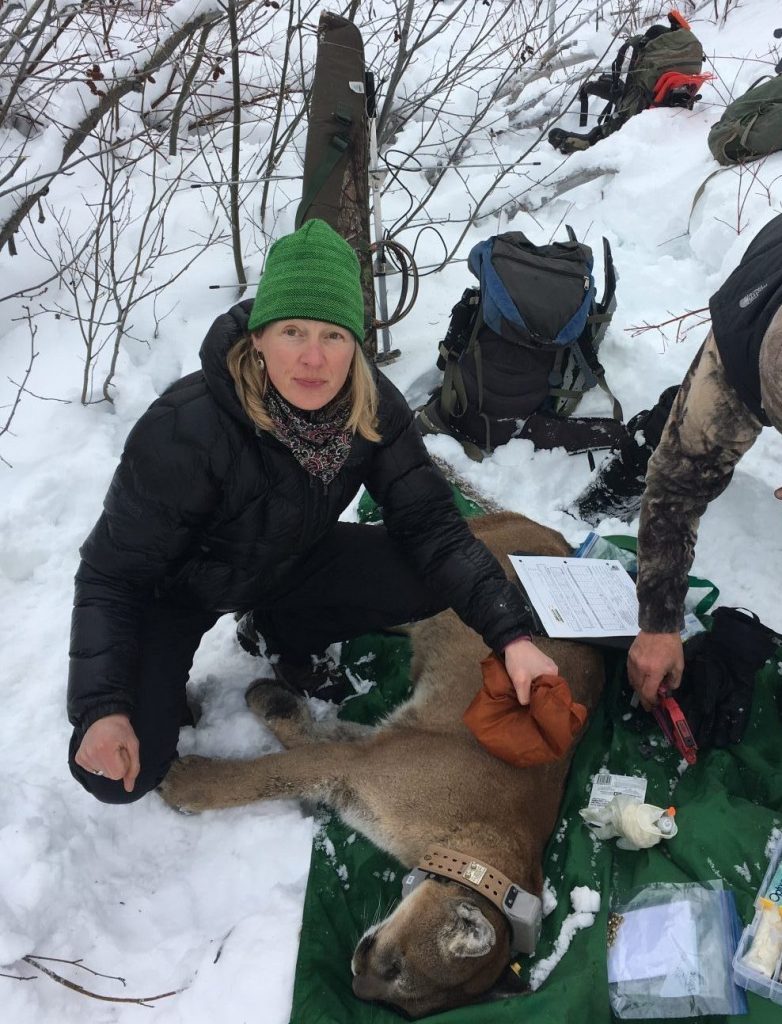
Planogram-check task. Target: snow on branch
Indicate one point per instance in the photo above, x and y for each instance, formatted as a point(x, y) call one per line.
point(201, 15)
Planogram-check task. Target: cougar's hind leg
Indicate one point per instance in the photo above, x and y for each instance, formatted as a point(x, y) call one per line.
point(288, 716)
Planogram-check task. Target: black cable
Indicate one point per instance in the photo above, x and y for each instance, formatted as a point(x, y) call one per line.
point(395, 169)
point(406, 264)
point(428, 227)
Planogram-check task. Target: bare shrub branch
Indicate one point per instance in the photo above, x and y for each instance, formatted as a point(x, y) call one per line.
point(35, 961)
point(21, 388)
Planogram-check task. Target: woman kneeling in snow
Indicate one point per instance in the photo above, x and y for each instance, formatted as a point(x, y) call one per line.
point(227, 499)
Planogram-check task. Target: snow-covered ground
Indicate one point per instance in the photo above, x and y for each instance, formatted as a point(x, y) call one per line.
point(149, 895)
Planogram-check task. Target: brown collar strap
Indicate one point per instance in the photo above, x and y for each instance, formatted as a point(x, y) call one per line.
point(521, 909)
point(483, 878)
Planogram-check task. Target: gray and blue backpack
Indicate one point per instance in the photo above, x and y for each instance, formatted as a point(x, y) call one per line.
point(522, 348)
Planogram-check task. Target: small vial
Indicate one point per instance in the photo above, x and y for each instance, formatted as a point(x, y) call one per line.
point(665, 822)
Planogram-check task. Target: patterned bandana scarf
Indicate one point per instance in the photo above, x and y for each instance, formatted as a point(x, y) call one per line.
point(318, 440)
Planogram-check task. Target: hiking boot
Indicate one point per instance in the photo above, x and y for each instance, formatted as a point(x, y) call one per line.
point(618, 487)
point(247, 635)
point(569, 142)
point(616, 491)
point(321, 678)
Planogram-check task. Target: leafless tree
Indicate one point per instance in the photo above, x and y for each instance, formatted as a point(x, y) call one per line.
point(493, 59)
point(121, 260)
point(104, 89)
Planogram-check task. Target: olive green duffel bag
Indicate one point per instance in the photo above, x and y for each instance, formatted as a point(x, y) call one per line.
point(751, 126)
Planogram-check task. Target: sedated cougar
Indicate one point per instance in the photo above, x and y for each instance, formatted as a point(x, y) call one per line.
point(417, 781)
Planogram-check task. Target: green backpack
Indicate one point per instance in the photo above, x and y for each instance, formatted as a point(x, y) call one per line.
point(751, 126)
point(676, 50)
point(664, 70)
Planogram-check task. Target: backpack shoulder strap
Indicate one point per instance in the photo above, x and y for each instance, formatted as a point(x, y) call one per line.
point(604, 89)
point(585, 349)
point(594, 376)
point(635, 44)
point(453, 395)
point(758, 81)
point(699, 192)
point(607, 86)
point(607, 303)
point(599, 321)
point(618, 61)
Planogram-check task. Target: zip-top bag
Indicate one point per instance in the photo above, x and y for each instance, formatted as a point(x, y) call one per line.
point(751, 126)
point(664, 70)
point(522, 348)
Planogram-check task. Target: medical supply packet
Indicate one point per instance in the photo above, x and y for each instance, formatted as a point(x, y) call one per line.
point(670, 948)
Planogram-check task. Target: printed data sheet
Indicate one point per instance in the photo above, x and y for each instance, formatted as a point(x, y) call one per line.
point(579, 597)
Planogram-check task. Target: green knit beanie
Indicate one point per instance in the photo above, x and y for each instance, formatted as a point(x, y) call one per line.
point(312, 274)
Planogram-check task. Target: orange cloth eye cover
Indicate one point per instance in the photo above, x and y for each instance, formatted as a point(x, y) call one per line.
point(536, 734)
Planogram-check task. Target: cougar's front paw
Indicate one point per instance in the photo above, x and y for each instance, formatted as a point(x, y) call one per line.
point(187, 785)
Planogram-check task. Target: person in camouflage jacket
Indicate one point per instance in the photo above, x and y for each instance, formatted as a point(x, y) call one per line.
point(732, 390)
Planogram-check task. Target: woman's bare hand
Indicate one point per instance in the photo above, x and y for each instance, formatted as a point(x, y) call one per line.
point(525, 662)
point(110, 747)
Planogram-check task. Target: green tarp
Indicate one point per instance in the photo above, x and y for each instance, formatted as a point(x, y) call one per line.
point(727, 806)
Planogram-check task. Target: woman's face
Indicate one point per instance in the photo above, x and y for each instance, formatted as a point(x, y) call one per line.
point(308, 361)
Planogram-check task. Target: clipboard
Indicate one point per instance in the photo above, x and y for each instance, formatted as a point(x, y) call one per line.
point(589, 600)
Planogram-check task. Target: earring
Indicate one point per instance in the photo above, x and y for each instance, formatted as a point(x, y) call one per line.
point(260, 363)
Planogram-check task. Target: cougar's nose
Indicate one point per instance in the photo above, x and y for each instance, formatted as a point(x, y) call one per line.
point(365, 986)
point(362, 950)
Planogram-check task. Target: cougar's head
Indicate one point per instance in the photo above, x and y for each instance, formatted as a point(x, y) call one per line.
point(442, 947)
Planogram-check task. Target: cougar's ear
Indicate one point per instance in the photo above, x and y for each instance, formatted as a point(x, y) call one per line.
point(474, 934)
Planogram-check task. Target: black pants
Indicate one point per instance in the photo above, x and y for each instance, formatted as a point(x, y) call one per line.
point(354, 582)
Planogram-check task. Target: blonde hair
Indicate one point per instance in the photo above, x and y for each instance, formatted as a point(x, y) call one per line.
point(250, 382)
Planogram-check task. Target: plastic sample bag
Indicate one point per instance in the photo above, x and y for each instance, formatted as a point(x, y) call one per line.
point(670, 948)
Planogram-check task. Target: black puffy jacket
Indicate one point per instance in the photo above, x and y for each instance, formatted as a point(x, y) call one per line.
point(206, 511)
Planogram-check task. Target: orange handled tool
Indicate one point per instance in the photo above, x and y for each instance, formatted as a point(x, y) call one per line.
point(675, 726)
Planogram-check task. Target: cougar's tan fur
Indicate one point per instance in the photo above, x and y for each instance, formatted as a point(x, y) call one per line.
point(418, 779)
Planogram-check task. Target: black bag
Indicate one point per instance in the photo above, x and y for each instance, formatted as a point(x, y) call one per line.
point(719, 675)
point(664, 71)
point(717, 685)
point(521, 350)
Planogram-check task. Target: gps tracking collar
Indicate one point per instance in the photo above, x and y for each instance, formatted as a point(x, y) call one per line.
point(522, 910)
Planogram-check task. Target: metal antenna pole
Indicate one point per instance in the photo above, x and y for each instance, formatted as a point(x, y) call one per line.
point(376, 179)
point(380, 268)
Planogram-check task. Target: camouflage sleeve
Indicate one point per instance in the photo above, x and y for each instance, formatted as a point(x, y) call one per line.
point(707, 432)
